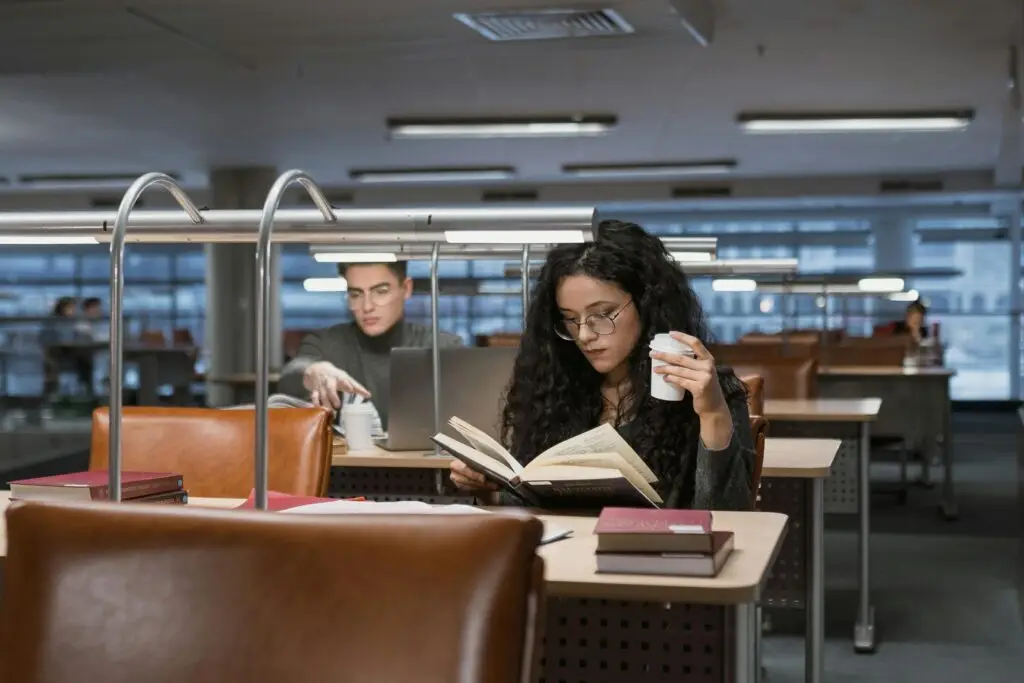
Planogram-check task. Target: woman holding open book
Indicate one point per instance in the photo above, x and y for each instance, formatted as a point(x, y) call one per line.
point(585, 360)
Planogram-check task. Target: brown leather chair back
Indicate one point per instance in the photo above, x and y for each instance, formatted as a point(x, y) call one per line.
point(759, 429)
point(214, 449)
point(784, 377)
point(872, 352)
point(129, 593)
point(760, 352)
point(755, 393)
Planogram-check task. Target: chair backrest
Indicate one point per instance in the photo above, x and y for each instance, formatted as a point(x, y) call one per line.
point(755, 393)
point(214, 449)
point(127, 593)
point(759, 428)
point(784, 377)
point(871, 351)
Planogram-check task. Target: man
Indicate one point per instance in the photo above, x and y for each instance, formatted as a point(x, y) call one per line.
point(94, 327)
point(355, 358)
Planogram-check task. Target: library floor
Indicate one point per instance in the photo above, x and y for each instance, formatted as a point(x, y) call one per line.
point(944, 595)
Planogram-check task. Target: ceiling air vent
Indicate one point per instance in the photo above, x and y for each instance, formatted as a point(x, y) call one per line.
point(897, 186)
point(701, 192)
point(546, 24)
point(509, 196)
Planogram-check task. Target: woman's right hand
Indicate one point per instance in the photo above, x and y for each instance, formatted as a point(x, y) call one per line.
point(468, 479)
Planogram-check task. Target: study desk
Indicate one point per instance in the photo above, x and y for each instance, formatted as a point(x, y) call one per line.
point(848, 490)
point(618, 628)
point(792, 483)
point(916, 408)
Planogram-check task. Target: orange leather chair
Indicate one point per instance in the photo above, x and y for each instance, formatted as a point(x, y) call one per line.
point(232, 595)
point(759, 430)
point(755, 393)
point(786, 378)
point(214, 449)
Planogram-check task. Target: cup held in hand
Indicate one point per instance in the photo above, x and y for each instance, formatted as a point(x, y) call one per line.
point(660, 388)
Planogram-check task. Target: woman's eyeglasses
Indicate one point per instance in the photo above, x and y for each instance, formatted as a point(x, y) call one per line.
point(598, 323)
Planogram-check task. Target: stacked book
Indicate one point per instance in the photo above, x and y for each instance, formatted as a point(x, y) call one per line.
point(662, 542)
point(136, 487)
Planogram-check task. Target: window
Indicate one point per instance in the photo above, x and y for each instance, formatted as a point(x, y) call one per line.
point(972, 310)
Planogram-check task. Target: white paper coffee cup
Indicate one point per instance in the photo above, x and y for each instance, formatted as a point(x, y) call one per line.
point(358, 422)
point(660, 388)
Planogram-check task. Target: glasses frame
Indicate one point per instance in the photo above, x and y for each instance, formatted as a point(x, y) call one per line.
point(588, 322)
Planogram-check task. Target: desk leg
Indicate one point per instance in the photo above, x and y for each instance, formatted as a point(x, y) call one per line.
point(949, 507)
point(864, 630)
point(814, 664)
point(745, 645)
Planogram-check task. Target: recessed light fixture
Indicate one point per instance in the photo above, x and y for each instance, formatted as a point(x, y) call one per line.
point(433, 175)
point(853, 122)
point(655, 170)
point(505, 127)
point(733, 285)
point(325, 284)
point(888, 285)
point(354, 257)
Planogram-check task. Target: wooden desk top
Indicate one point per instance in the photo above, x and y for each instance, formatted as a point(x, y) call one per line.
point(378, 457)
point(570, 568)
point(790, 458)
point(884, 371)
point(823, 409)
point(799, 458)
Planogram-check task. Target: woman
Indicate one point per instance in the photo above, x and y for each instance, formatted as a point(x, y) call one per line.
point(584, 360)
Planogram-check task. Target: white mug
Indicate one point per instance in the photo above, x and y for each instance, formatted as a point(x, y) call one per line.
point(357, 419)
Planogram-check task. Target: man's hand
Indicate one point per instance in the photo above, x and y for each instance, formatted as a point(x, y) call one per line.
point(323, 381)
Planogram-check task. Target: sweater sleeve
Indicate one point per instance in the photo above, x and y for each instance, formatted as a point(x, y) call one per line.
point(723, 477)
point(310, 351)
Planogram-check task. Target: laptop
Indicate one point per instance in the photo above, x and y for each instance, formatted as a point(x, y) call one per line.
point(473, 383)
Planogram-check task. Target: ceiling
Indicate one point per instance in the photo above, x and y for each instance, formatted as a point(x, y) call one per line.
point(187, 85)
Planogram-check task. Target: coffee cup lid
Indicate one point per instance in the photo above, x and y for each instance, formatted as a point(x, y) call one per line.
point(665, 342)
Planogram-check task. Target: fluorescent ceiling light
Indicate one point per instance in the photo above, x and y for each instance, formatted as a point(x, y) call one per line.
point(911, 295)
point(513, 236)
point(355, 257)
point(47, 239)
point(325, 284)
point(659, 170)
point(693, 256)
point(855, 123)
point(733, 285)
point(500, 128)
point(433, 175)
point(881, 284)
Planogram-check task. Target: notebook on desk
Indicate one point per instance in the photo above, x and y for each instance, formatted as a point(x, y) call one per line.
point(473, 382)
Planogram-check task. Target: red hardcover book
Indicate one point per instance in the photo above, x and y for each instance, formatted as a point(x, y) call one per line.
point(640, 530)
point(704, 564)
point(277, 501)
point(94, 485)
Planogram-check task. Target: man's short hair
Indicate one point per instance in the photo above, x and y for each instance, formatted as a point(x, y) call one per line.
point(918, 307)
point(91, 301)
point(399, 268)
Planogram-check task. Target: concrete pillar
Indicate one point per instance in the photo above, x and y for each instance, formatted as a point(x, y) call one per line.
point(894, 253)
point(231, 286)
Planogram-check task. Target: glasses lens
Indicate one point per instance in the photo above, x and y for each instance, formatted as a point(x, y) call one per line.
point(562, 330)
point(601, 324)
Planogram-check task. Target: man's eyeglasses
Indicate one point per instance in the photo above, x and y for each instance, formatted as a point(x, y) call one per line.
point(598, 323)
point(378, 296)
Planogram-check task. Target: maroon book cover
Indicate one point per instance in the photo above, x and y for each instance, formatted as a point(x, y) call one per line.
point(94, 485)
point(277, 501)
point(646, 521)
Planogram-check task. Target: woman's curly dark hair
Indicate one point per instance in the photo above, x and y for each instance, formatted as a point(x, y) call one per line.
point(556, 394)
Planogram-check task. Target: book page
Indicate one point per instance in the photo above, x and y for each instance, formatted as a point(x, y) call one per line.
point(612, 461)
point(602, 439)
point(480, 462)
point(587, 480)
point(484, 443)
point(552, 531)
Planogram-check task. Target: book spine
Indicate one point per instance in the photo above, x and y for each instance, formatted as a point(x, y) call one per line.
point(139, 489)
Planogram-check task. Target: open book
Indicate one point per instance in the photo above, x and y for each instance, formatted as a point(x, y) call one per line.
point(594, 469)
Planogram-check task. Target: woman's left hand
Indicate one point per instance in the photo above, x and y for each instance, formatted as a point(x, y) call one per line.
point(697, 375)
